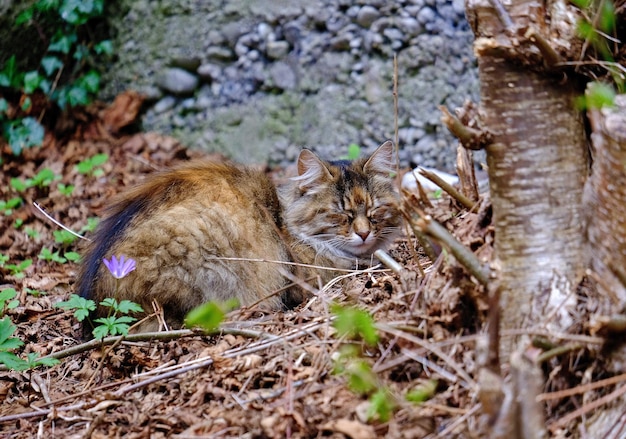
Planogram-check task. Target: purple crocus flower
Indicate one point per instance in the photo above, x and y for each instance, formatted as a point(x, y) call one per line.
point(121, 268)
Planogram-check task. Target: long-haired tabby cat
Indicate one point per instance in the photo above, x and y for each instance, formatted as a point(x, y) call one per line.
point(197, 232)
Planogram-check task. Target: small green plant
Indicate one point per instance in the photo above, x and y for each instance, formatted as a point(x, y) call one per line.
point(3, 259)
point(9, 343)
point(72, 256)
point(81, 306)
point(8, 206)
point(43, 178)
point(210, 315)
point(423, 392)
point(354, 152)
point(35, 293)
point(116, 324)
point(357, 325)
point(65, 189)
point(18, 223)
point(8, 300)
point(18, 270)
point(47, 255)
point(598, 95)
point(31, 233)
point(118, 321)
point(91, 165)
point(91, 225)
point(64, 237)
point(354, 324)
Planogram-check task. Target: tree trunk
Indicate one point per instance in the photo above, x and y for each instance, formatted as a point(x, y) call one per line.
point(606, 197)
point(537, 167)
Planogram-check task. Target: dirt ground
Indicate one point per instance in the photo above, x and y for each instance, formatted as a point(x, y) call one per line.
point(274, 375)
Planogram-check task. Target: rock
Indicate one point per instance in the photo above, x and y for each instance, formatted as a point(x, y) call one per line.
point(209, 72)
point(167, 103)
point(426, 15)
point(277, 49)
point(189, 63)
point(283, 76)
point(177, 81)
point(367, 15)
point(410, 26)
point(220, 53)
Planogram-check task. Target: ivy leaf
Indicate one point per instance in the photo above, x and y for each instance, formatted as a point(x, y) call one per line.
point(23, 133)
point(77, 96)
point(62, 43)
point(91, 81)
point(51, 64)
point(104, 47)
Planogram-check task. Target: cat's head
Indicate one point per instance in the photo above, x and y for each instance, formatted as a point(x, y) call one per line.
point(349, 209)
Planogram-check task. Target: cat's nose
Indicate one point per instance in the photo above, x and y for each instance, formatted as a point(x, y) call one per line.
point(364, 234)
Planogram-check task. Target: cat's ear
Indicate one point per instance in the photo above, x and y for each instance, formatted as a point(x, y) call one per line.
point(382, 160)
point(311, 170)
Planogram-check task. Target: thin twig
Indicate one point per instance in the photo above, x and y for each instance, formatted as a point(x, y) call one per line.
point(469, 382)
point(44, 213)
point(466, 202)
point(588, 408)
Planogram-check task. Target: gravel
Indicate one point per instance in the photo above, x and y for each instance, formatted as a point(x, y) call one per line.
point(260, 80)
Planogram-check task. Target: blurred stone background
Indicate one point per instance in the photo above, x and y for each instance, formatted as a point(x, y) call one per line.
point(259, 79)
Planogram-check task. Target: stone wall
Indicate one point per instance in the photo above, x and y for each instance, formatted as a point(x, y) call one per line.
point(260, 79)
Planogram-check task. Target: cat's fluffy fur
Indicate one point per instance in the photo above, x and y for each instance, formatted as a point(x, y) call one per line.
point(181, 224)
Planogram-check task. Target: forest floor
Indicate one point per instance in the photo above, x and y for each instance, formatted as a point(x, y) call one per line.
point(287, 374)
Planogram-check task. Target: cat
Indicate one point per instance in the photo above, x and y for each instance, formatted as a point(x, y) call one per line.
point(198, 231)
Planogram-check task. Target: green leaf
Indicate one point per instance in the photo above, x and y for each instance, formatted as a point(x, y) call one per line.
point(104, 47)
point(361, 379)
point(4, 106)
point(62, 43)
point(77, 12)
point(23, 133)
point(7, 341)
point(582, 4)
point(354, 323)
point(47, 361)
point(354, 151)
point(51, 64)
point(47, 5)
point(32, 80)
point(80, 305)
point(607, 17)
point(24, 16)
point(44, 178)
point(64, 237)
point(12, 361)
point(72, 256)
point(9, 75)
point(77, 95)
point(381, 406)
point(126, 306)
point(598, 95)
point(65, 190)
point(90, 81)
point(7, 294)
point(18, 184)
point(422, 392)
point(210, 315)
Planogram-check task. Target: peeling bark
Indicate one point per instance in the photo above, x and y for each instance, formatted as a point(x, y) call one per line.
point(606, 197)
